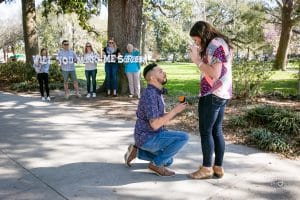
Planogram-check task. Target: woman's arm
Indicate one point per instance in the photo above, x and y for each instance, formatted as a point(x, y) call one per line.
point(214, 70)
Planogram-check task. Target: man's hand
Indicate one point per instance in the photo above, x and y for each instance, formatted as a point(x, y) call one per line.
point(180, 107)
point(164, 120)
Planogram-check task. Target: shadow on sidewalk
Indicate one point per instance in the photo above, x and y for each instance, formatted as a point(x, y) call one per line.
point(94, 174)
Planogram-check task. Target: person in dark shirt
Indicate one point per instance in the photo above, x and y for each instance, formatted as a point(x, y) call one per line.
point(153, 142)
point(111, 53)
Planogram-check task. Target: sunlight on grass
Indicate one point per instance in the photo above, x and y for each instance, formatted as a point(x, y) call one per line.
point(183, 78)
point(281, 81)
point(80, 72)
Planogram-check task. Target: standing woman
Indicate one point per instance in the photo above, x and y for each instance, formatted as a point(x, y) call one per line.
point(41, 66)
point(212, 53)
point(132, 70)
point(111, 67)
point(90, 59)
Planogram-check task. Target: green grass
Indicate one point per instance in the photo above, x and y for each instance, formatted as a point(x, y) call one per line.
point(284, 82)
point(293, 64)
point(183, 79)
point(100, 73)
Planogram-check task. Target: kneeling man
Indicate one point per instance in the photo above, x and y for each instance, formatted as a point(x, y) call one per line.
point(153, 142)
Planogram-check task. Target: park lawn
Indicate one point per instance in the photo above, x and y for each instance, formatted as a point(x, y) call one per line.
point(183, 79)
point(284, 82)
point(100, 73)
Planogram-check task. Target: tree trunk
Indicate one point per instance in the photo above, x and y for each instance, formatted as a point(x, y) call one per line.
point(299, 83)
point(143, 45)
point(29, 29)
point(285, 35)
point(124, 25)
point(4, 54)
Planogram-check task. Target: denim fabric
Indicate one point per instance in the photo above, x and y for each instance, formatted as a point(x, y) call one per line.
point(66, 75)
point(162, 147)
point(88, 75)
point(111, 76)
point(211, 113)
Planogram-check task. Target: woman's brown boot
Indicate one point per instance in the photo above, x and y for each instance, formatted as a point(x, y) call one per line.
point(202, 173)
point(218, 171)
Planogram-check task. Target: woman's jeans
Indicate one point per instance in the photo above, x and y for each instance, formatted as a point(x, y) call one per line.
point(88, 75)
point(111, 76)
point(43, 79)
point(162, 147)
point(211, 113)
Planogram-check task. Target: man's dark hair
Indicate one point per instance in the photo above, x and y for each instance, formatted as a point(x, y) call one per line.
point(64, 41)
point(148, 68)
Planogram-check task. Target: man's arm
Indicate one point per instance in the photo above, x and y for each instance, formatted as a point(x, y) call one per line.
point(166, 118)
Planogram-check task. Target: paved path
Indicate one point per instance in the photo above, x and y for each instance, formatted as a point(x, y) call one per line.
point(55, 151)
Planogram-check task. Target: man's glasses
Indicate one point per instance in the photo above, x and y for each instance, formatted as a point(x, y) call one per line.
point(110, 42)
point(66, 44)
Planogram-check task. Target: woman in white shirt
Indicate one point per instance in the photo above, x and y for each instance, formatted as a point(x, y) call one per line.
point(90, 59)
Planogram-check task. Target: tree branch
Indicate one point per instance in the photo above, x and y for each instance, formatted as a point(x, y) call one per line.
point(156, 5)
point(296, 20)
point(160, 8)
point(279, 3)
point(296, 31)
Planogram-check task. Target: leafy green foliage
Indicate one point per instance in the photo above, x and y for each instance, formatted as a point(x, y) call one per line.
point(15, 72)
point(248, 77)
point(81, 8)
point(269, 141)
point(283, 121)
point(167, 27)
point(55, 75)
point(242, 21)
point(237, 122)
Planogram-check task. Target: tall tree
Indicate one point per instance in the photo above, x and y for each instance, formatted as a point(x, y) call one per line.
point(241, 21)
point(124, 21)
point(29, 29)
point(124, 25)
point(288, 14)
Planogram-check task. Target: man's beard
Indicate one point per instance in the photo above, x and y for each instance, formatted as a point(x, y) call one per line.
point(164, 81)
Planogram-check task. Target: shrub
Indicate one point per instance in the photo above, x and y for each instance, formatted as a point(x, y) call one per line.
point(55, 75)
point(283, 121)
point(269, 141)
point(16, 72)
point(237, 121)
point(248, 77)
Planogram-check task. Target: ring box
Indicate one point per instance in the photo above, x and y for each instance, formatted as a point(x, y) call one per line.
point(181, 99)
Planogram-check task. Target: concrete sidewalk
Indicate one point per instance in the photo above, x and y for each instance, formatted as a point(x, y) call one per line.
point(57, 151)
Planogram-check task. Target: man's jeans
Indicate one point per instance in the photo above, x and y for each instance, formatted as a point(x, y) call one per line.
point(211, 114)
point(162, 147)
point(88, 75)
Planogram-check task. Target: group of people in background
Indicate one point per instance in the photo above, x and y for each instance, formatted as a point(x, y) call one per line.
point(67, 59)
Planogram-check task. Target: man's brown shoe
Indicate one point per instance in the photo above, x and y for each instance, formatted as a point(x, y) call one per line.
point(202, 173)
point(218, 171)
point(130, 155)
point(160, 171)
